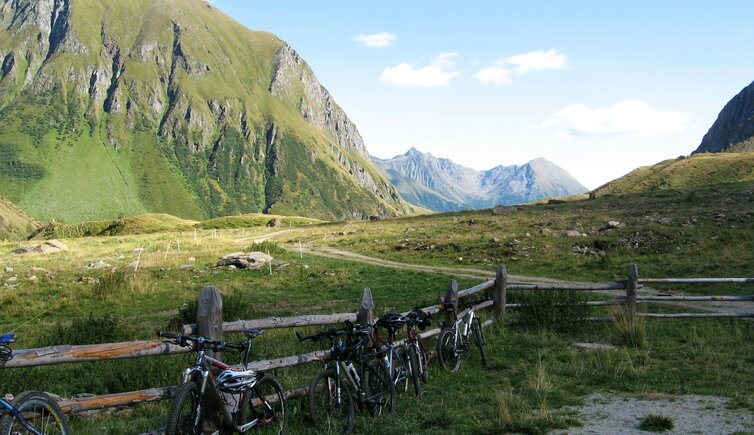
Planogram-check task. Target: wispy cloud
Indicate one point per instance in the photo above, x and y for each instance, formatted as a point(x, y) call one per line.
point(435, 75)
point(377, 40)
point(502, 72)
point(626, 117)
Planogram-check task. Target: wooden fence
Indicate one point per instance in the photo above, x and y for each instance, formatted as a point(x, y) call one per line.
point(210, 324)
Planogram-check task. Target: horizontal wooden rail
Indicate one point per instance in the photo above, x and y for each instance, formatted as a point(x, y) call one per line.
point(693, 298)
point(477, 288)
point(696, 280)
point(695, 315)
point(575, 287)
point(91, 352)
point(279, 322)
point(75, 406)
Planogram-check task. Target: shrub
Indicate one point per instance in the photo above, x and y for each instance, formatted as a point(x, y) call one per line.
point(91, 329)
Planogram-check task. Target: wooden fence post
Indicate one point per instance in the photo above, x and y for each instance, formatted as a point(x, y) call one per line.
point(632, 284)
point(451, 296)
point(501, 290)
point(209, 316)
point(366, 312)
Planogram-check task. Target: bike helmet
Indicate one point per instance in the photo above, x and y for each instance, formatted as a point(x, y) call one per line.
point(392, 321)
point(232, 381)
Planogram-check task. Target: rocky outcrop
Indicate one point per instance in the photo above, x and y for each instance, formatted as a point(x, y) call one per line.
point(734, 128)
point(441, 185)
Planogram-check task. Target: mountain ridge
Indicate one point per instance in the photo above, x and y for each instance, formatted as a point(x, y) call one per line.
point(442, 185)
point(170, 106)
point(733, 130)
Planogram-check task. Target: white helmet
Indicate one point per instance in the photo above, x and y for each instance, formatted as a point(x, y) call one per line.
point(232, 381)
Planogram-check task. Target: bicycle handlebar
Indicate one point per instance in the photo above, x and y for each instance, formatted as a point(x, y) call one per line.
point(200, 342)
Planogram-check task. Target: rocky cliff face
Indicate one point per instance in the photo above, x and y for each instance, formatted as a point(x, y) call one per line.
point(441, 185)
point(177, 109)
point(734, 128)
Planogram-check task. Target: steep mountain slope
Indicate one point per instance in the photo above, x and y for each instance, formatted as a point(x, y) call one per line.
point(685, 172)
point(441, 185)
point(14, 224)
point(170, 106)
point(734, 128)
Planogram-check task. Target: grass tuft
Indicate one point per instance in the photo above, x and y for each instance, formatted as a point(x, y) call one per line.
point(656, 423)
point(632, 330)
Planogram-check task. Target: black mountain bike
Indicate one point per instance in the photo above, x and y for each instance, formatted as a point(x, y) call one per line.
point(32, 412)
point(233, 401)
point(353, 375)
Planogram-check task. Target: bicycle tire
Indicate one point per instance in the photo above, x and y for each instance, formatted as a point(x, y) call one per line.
point(46, 416)
point(271, 415)
point(479, 338)
point(182, 416)
point(379, 388)
point(327, 413)
point(425, 363)
point(401, 369)
point(450, 360)
point(415, 367)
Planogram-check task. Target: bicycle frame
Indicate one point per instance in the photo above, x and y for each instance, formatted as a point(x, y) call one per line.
point(17, 415)
point(462, 334)
point(413, 340)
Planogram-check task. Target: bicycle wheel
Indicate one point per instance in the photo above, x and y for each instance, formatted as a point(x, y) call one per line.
point(379, 388)
point(330, 404)
point(265, 405)
point(182, 418)
point(401, 370)
point(479, 339)
point(425, 363)
point(413, 362)
point(40, 411)
point(450, 358)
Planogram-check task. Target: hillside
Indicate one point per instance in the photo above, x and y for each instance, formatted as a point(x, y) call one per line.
point(685, 172)
point(14, 224)
point(170, 106)
point(442, 185)
point(734, 128)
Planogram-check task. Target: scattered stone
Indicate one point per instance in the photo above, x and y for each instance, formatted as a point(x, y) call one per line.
point(8, 269)
point(13, 278)
point(409, 230)
point(573, 233)
point(495, 240)
point(503, 209)
point(586, 250)
point(33, 279)
point(274, 223)
point(87, 280)
point(241, 260)
point(45, 248)
point(610, 225)
point(191, 259)
point(594, 346)
point(98, 265)
point(38, 269)
point(187, 266)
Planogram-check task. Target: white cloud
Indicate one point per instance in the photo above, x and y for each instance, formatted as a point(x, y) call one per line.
point(494, 75)
point(538, 61)
point(627, 117)
point(502, 72)
point(377, 40)
point(435, 75)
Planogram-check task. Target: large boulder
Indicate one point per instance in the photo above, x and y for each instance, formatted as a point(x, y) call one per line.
point(45, 248)
point(242, 260)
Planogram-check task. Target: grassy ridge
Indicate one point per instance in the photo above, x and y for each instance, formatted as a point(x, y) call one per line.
point(14, 224)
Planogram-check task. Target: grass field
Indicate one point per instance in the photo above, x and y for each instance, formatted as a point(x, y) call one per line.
point(535, 370)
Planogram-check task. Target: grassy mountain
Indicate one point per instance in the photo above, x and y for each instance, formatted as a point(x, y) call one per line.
point(685, 172)
point(14, 224)
point(734, 128)
point(170, 106)
point(442, 185)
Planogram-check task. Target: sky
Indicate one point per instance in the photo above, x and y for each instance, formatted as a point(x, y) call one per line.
point(597, 87)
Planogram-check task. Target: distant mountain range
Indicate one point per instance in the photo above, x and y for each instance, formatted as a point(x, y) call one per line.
point(442, 185)
point(734, 128)
point(127, 107)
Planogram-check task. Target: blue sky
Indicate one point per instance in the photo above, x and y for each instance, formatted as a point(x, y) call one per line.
point(598, 88)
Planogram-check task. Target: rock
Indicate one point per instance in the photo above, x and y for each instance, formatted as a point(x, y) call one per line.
point(594, 346)
point(87, 280)
point(274, 222)
point(409, 230)
point(13, 278)
point(8, 269)
point(38, 269)
point(241, 260)
point(611, 225)
point(573, 233)
point(45, 248)
point(98, 265)
point(191, 259)
point(503, 209)
point(495, 240)
point(33, 279)
point(187, 266)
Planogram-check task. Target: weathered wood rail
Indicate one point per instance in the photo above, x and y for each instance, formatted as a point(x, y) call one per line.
point(210, 324)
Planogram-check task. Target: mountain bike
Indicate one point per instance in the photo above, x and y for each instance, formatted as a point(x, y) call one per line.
point(418, 356)
point(396, 358)
point(352, 375)
point(32, 412)
point(454, 341)
point(233, 401)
